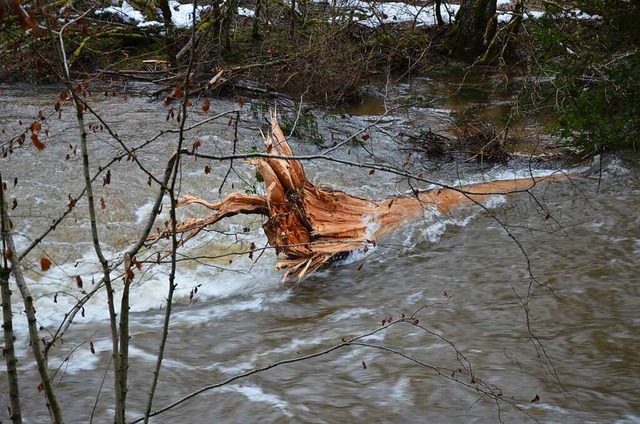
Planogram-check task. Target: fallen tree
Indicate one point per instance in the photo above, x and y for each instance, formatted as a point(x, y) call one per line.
point(311, 226)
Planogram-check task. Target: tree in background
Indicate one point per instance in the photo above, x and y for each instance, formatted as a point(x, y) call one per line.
point(474, 28)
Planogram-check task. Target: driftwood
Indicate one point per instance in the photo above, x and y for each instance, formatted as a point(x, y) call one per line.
point(310, 226)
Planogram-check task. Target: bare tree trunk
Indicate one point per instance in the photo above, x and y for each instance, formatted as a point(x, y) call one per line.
point(439, 19)
point(55, 412)
point(119, 354)
point(255, 31)
point(292, 28)
point(8, 351)
point(172, 190)
point(231, 8)
point(474, 28)
point(170, 37)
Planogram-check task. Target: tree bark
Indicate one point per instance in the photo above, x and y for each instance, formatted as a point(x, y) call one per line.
point(8, 351)
point(55, 412)
point(310, 227)
point(474, 28)
point(170, 37)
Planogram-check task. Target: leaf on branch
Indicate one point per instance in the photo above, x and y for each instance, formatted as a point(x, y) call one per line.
point(103, 204)
point(37, 143)
point(206, 104)
point(14, 203)
point(79, 281)
point(252, 248)
point(35, 127)
point(196, 145)
point(55, 298)
point(364, 365)
point(207, 170)
point(106, 180)
point(45, 263)
point(92, 348)
point(365, 137)
point(40, 387)
point(536, 398)
point(240, 102)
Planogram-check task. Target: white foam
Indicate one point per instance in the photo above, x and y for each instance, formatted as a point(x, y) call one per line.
point(143, 212)
point(495, 201)
point(434, 231)
point(56, 292)
point(349, 314)
point(628, 419)
point(401, 391)
point(81, 358)
point(255, 393)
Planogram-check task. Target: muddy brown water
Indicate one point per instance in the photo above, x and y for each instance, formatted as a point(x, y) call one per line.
point(464, 273)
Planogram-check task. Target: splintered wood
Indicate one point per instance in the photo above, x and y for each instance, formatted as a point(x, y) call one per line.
point(309, 226)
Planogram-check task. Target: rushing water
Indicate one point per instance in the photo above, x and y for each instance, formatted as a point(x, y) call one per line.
point(463, 273)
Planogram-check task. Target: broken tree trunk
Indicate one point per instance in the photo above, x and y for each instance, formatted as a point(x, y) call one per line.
point(310, 226)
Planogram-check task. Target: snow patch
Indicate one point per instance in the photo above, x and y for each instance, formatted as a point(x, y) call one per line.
point(181, 14)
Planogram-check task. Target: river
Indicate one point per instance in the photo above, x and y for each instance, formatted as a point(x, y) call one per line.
point(462, 275)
